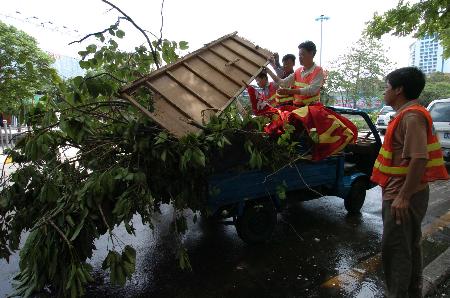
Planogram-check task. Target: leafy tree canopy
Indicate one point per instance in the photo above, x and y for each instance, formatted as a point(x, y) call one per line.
point(24, 68)
point(358, 74)
point(427, 17)
point(436, 87)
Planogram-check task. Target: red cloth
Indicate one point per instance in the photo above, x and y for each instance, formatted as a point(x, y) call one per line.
point(330, 131)
point(261, 105)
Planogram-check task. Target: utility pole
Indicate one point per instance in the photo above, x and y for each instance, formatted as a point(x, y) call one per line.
point(321, 19)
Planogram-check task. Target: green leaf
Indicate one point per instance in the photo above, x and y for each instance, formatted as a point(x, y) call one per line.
point(91, 48)
point(183, 45)
point(120, 33)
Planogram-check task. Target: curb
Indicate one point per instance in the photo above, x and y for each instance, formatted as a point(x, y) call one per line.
point(436, 272)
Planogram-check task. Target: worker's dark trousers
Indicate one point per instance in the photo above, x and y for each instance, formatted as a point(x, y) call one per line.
point(402, 250)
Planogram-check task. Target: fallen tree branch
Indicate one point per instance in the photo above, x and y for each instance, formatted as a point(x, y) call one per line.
point(60, 232)
point(105, 74)
point(154, 54)
point(100, 32)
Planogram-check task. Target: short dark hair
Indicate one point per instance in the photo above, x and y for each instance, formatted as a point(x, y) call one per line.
point(410, 78)
point(262, 74)
point(289, 57)
point(309, 46)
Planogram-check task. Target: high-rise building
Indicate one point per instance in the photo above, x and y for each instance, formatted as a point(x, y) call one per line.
point(426, 54)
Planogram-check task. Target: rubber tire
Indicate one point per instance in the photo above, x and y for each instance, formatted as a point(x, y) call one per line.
point(356, 197)
point(257, 222)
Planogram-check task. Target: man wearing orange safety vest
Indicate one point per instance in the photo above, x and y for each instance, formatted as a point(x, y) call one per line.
point(306, 81)
point(410, 157)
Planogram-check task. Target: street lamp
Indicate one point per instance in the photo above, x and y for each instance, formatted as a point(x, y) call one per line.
point(321, 19)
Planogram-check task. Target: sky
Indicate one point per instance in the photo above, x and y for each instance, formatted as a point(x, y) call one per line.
point(278, 26)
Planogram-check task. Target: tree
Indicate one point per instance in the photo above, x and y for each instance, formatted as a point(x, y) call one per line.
point(24, 68)
point(359, 73)
point(436, 87)
point(423, 18)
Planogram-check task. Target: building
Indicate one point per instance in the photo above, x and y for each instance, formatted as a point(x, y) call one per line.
point(67, 67)
point(426, 54)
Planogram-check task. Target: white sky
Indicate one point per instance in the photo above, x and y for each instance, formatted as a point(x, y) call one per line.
point(278, 25)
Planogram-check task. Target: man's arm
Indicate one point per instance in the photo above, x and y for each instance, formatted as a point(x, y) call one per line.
point(311, 90)
point(286, 82)
point(275, 63)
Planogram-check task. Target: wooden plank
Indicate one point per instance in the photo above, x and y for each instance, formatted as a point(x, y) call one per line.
point(241, 61)
point(232, 73)
point(212, 96)
point(243, 50)
point(132, 86)
point(214, 75)
point(185, 86)
point(207, 80)
point(231, 62)
point(254, 48)
point(166, 116)
point(239, 54)
point(177, 96)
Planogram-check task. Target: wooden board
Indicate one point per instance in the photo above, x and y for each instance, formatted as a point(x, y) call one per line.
point(203, 82)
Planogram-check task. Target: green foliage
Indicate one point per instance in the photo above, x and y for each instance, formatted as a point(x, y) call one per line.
point(24, 69)
point(359, 74)
point(437, 87)
point(421, 18)
point(124, 164)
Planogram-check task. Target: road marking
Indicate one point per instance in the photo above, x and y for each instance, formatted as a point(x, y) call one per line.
point(349, 278)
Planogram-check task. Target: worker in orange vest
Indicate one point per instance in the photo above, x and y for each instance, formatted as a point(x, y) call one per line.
point(410, 157)
point(268, 89)
point(305, 83)
point(283, 71)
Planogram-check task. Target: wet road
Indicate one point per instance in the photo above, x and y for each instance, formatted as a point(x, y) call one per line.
point(317, 251)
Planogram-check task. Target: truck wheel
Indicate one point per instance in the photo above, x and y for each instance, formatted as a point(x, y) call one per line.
point(355, 199)
point(257, 222)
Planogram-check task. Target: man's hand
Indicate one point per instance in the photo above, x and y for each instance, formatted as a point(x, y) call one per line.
point(284, 91)
point(400, 210)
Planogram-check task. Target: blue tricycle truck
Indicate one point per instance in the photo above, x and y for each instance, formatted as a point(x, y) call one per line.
point(250, 197)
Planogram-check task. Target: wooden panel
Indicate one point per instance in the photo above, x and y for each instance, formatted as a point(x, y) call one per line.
point(166, 116)
point(236, 60)
point(204, 90)
point(238, 54)
point(170, 118)
point(216, 77)
point(230, 71)
point(203, 82)
point(208, 80)
point(254, 48)
point(245, 51)
point(185, 101)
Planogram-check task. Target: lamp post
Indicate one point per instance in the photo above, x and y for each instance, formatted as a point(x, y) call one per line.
point(321, 19)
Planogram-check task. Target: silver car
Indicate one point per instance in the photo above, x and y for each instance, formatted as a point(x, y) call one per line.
point(440, 113)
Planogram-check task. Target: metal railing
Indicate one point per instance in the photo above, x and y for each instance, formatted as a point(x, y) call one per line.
point(9, 135)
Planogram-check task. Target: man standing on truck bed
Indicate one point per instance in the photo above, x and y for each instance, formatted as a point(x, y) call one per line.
point(410, 157)
point(306, 80)
point(283, 71)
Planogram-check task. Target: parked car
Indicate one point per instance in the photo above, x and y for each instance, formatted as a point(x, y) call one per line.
point(385, 115)
point(440, 112)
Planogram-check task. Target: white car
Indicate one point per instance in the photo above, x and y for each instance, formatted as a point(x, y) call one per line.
point(385, 115)
point(440, 113)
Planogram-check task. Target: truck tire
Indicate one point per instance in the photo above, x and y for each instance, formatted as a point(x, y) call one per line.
point(257, 223)
point(355, 198)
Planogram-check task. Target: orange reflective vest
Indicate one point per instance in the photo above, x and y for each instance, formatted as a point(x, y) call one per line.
point(435, 168)
point(304, 100)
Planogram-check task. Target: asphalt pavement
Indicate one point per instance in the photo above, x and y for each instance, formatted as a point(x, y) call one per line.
point(317, 250)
